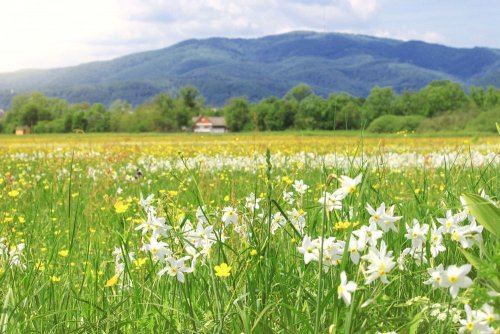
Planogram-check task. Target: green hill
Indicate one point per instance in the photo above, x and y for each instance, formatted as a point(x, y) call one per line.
point(221, 68)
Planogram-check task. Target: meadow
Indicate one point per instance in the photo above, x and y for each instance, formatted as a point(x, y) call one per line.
point(249, 233)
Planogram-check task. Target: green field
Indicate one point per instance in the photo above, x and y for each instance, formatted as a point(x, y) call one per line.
point(249, 233)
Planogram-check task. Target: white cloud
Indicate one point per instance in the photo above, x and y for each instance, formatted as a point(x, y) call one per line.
point(426, 36)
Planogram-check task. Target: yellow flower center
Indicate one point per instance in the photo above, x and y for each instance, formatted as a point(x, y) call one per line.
point(376, 217)
point(470, 326)
point(352, 189)
point(340, 290)
point(452, 278)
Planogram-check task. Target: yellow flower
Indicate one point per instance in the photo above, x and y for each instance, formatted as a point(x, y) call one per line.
point(63, 253)
point(120, 207)
point(13, 193)
point(223, 270)
point(253, 252)
point(40, 266)
point(112, 281)
point(140, 262)
point(55, 279)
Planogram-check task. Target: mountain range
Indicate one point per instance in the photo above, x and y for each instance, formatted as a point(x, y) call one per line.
point(222, 68)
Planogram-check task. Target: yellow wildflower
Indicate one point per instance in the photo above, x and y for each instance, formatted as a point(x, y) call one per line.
point(121, 207)
point(63, 253)
point(223, 270)
point(112, 281)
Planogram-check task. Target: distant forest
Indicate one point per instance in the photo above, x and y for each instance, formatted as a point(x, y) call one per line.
point(441, 105)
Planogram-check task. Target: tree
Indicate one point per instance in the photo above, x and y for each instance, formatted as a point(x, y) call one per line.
point(237, 113)
point(379, 102)
point(310, 113)
point(299, 93)
point(440, 96)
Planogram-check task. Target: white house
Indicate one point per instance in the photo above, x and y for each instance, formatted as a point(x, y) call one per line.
point(204, 124)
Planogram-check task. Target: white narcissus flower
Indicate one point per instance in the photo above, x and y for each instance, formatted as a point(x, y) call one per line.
point(309, 249)
point(368, 234)
point(473, 325)
point(451, 221)
point(230, 215)
point(288, 197)
point(252, 202)
point(417, 234)
point(347, 186)
point(455, 278)
point(298, 219)
point(380, 263)
point(277, 222)
point(345, 288)
point(355, 247)
point(176, 268)
point(487, 314)
point(330, 202)
point(436, 276)
point(437, 241)
point(154, 224)
point(385, 219)
point(300, 187)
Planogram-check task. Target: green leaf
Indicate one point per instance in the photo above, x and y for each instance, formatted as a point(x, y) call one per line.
point(414, 323)
point(486, 213)
point(498, 127)
point(477, 263)
point(472, 259)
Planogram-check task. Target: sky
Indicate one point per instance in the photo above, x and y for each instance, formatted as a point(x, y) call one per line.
point(59, 33)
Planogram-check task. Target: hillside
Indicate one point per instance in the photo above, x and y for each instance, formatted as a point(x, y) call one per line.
point(221, 68)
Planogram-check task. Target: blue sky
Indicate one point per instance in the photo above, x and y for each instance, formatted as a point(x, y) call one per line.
point(57, 33)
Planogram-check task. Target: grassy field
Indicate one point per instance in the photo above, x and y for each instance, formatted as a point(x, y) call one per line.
point(248, 233)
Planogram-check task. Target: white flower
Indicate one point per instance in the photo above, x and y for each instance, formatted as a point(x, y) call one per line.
point(200, 215)
point(417, 234)
point(176, 268)
point(345, 288)
point(385, 219)
point(332, 252)
point(380, 263)
point(347, 186)
point(368, 234)
point(230, 215)
point(277, 222)
point(145, 203)
point(472, 325)
point(300, 187)
point(330, 202)
point(158, 249)
point(154, 224)
point(467, 234)
point(436, 241)
point(436, 276)
point(487, 314)
point(297, 218)
point(355, 247)
point(455, 278)
point(451, 221)
point(310, 249)
point(288, 197)
point(252, 202)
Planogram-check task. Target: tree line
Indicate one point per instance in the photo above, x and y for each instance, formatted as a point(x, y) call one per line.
point(440, 105)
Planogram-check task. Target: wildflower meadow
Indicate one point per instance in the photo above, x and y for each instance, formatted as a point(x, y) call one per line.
point(288, 233)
